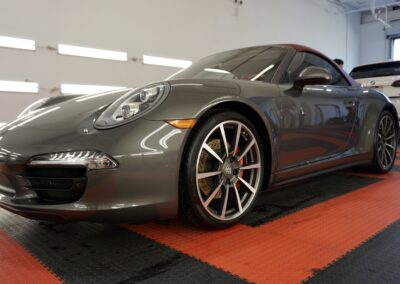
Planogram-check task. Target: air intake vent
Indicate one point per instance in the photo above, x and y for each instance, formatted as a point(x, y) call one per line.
point(57, 185)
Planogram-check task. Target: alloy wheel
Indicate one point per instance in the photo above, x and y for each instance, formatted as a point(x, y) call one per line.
point(228, 170)
point(387, 142)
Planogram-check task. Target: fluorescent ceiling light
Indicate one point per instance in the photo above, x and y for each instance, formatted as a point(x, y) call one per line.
point(170, 62)
point(213, 70)
point(20, 87)
point(2, 124)
point(73, 89)
point(263, 72)
point(20, 43)
point(92, 52)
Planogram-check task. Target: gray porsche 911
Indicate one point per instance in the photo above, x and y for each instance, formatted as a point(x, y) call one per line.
point(202, 143)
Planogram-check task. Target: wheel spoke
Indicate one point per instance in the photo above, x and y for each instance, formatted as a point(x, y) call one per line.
point(223, 134)
point(385, 125)
point(384, 157)
point(239, 202)
point(223, 213)
point(390, 146)
point(390, 137)
point(389, 156)
point(252, 189)
point(389, 126)
point(212, 152)
point(382, 153)
point(212, 195)
point(250, 167)
point(237, 138)
point(207, 175)
point(247, 149)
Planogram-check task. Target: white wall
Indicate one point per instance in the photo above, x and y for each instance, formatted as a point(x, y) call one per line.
point(185, 29)
point(373, 43)
point(353, 45)
point(374, 36)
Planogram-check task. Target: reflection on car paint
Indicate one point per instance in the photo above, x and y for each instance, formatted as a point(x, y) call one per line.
point(147, 150)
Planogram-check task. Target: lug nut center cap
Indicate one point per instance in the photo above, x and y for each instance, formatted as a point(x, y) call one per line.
point(228, 171)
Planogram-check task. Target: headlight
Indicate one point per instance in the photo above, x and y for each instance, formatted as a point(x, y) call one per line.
point(93, 160)
point(133, 105)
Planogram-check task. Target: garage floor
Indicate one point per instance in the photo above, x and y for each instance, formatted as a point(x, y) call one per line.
point(337, 228)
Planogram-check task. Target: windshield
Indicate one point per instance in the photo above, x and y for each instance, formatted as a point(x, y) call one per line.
point(376, 70)
point(255, 63)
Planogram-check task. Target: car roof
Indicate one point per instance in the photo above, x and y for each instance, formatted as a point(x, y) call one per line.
point(303, 48)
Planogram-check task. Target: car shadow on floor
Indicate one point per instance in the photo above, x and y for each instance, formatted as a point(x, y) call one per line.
point(272, 205)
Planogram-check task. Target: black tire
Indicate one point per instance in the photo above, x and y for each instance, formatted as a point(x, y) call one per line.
point(386, 143)
point(202, 199)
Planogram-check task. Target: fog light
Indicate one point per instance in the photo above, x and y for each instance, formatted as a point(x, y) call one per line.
point(91, 159)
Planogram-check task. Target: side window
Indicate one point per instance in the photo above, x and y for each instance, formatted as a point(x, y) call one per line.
point(303, 60)
point(260, 67)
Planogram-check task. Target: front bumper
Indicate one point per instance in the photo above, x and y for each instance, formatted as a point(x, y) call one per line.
point(136, 214)
point(144, 187)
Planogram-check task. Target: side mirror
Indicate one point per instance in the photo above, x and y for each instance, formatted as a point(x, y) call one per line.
point(312, 76)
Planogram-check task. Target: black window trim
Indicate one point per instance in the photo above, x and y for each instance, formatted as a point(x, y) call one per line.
point(340, 72)
point(290, 59)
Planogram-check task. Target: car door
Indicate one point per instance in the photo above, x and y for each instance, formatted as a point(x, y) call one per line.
point(316, 122)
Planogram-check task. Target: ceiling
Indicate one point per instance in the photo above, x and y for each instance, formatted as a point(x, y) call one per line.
point(364, 5)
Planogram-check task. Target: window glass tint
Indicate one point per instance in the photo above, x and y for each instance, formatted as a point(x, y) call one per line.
point(376, 70)
point(256, 63)
point(303, 60)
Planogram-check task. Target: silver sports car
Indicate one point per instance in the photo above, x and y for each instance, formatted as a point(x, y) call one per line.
point(201, 144)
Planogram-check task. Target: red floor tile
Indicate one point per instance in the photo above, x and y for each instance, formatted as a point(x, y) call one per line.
point(289, 249)
point(18, 266)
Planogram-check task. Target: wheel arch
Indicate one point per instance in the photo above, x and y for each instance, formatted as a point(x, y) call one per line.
point(390, 107)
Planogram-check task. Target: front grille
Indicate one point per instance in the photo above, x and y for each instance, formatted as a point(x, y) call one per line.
point(62, 172)
point(57, 185)
point(51, 183)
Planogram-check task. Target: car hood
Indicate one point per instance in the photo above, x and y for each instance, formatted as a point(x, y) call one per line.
point(65, 115)
point(188, 96)
point(62, 124)
point(80, 112)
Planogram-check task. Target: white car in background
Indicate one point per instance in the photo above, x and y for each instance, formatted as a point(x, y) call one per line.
point(383, 77)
